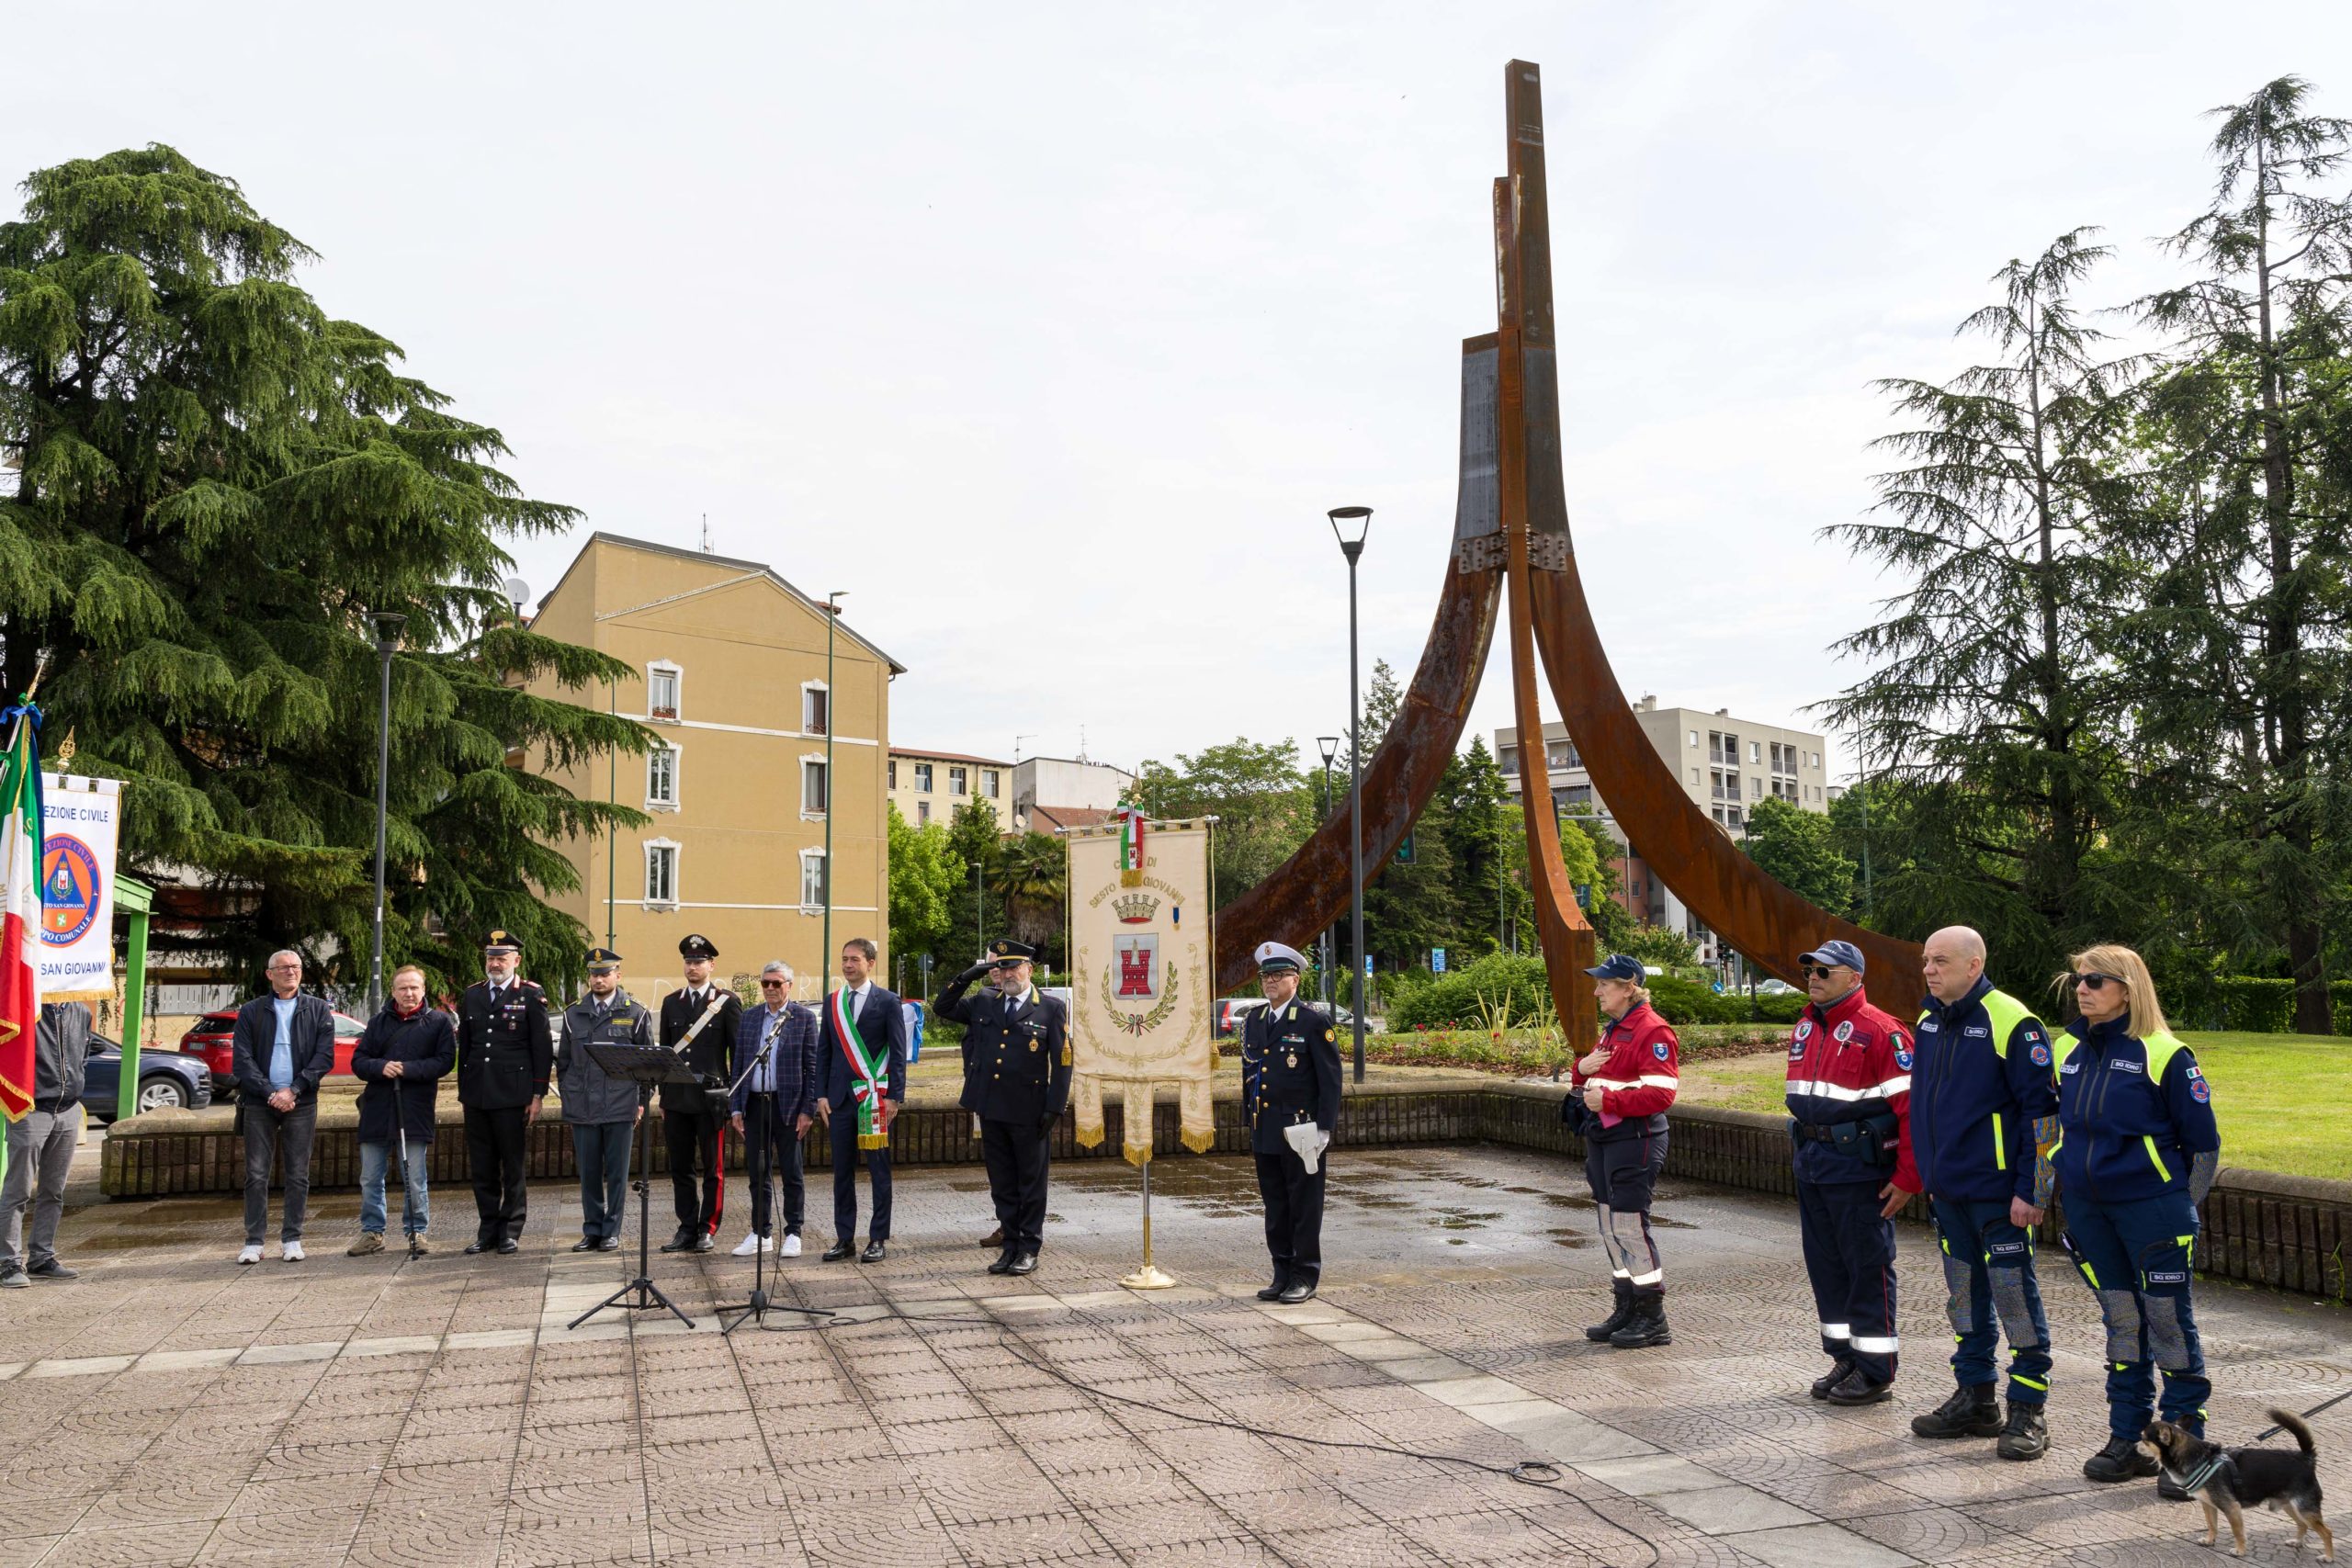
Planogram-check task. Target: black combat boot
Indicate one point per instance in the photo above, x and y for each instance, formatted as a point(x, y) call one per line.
point(1616, 1320)
point(1971, 1412)
point(1833, 1377)
point(1647, 1326)
point(2027, 1435)
point(2119, 1461)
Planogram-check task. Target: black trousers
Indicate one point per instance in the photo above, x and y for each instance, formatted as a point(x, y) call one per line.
point(1015, 1153)
point(843, 1137)
point(695, 1140)
point(1294, 1214)
point(771, 1148)
point(1623, 1173)
point(495, 1156)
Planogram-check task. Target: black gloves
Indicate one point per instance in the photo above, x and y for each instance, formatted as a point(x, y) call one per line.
point(1045, 1124)
point(974, 973)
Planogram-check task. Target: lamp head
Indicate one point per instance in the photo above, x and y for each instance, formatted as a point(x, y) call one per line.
point(1330, 744)
point(1351, 525)
point(388, 630)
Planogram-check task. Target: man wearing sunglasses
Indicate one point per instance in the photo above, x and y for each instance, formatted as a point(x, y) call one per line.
point(1850, 1097)
point(1984, 1115)
point(774, 1100)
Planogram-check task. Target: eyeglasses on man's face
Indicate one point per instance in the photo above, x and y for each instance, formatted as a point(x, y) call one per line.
point(1817, 971)
point(771, 985)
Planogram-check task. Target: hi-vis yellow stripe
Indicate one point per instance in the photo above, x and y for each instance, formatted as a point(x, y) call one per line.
point(2000, 1146)
point(2159, 1159)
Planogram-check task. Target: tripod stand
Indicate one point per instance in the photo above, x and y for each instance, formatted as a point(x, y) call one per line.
point(759, 1305)
point(645, 1067)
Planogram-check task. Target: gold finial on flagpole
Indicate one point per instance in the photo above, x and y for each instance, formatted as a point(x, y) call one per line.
point(65, 750)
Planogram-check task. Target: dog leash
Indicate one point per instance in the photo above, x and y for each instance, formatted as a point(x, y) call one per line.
point(2265, 1437)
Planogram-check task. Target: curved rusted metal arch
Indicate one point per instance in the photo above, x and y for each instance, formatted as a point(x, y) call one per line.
point(1512, 522)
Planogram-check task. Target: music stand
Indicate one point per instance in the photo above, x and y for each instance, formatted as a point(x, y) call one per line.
point(644, 1066)
point(759, 1305)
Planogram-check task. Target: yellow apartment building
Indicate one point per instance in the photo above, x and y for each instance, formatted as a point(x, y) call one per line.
point(728, 665)
point(927, 786)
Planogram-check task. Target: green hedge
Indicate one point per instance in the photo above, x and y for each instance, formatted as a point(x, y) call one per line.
point(2255, 1005)
point(1455, 1000)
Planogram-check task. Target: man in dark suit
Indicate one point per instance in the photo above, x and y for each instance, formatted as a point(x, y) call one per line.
point(870, 1054)
point(506, 1055)
point(282, 1045)
point(699, 1021)
point(1016, 1079)
point(774, 1103)
point(1290, 1092)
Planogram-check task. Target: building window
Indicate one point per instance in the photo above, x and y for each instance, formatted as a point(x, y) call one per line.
point(1695, 776)
point(894, 773)
point(922, 813)
point(815, 788)
point(1508, 760)
point(662, 776)
point(1694, 740)
point(1755, 751)
point(1731, 816)
point(1564, 755)
point(662, 873)
point(812, 879)
point(661, 691)
point(1573, 795)
point(1755, 789)
point(923, 778)
point(957, 779)
point(816, 710)
point(990, 783)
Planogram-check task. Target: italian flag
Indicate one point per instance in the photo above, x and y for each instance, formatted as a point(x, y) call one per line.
point(21, 831)
point(1130, 840)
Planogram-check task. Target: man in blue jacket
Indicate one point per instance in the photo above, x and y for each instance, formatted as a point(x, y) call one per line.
point(282, 1045)
point(773, 1105)
point(1983, 1116)
point(860, 1086)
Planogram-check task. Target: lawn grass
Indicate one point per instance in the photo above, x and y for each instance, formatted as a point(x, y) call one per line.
point(2281, 1099)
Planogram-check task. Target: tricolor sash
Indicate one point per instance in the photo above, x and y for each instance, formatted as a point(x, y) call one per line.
point(869, 1068)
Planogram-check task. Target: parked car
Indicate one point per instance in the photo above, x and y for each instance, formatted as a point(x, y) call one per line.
point(211, 1039)
point(168, 1080)
point(1232, 1012)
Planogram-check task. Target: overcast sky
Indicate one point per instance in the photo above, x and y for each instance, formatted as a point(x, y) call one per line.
point(1051, 332)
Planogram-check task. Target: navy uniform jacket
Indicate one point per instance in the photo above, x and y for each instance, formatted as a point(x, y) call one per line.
point(1975, 1097)
point(1016, 1060)
point(712, 1052)
point(2132, 1114)
point(506, 1053)
point(1290, 1072)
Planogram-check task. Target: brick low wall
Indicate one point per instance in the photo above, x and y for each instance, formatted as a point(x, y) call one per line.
point(2287, 1232)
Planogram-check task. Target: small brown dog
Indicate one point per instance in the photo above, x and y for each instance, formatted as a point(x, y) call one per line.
point(2228, 1481)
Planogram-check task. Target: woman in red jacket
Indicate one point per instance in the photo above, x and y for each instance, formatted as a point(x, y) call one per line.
point(1623, 1089)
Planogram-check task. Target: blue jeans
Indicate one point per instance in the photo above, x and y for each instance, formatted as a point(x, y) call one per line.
point(601, 1151)
point(1988, 1270)
point(375, 1162)
point(2136, 1257)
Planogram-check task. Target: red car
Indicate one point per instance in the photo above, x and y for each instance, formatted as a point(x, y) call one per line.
point(211, 1040)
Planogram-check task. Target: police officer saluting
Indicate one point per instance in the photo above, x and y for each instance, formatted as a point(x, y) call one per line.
point(1290, 1091)
point(699, 1021)
point(1016, 1079)
point(1850, 1100)
point(505, 1052)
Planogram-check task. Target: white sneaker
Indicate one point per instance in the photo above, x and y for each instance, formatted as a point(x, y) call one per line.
point(291, 1252)
point(754, 1242)
point(249, 1255)
point(791, 1248)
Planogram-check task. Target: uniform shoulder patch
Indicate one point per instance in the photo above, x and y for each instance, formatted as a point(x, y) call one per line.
point(1662, 1050)
point(1804, 1030)
point(1329, 1035)
point(2040, 1054)
point(2200, 1091)
point(1844, 1031)
point(1902, 1057)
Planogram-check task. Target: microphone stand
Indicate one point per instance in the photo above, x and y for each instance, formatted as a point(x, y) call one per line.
point(759, 1305)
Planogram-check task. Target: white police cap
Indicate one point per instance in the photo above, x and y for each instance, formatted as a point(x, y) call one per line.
point(1274, 958)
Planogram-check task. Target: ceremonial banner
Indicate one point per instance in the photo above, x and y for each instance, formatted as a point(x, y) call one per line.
point(1143, 964)
point(81, 819)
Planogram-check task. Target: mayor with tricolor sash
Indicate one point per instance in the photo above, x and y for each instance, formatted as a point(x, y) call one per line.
point(860, 1085)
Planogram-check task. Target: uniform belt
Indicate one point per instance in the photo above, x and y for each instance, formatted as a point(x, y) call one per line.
point(1819, 1132)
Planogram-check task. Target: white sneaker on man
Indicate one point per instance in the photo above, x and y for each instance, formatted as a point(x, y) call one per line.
point(251, 1253)
point(753, 1242)
point(291, 1252)
point(791, 1246)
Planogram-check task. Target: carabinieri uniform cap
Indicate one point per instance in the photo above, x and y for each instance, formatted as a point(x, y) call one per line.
point(696, 946)
point(1004, 953)
point(602, 961)
point(1274, 958)
point(1844, 953)
point(1618, 966)
point(500, 942)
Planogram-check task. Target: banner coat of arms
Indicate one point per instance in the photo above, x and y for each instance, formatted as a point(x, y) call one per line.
point(1142, 968)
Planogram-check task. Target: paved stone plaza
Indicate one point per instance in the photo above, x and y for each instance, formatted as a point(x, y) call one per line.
point(171, 1408)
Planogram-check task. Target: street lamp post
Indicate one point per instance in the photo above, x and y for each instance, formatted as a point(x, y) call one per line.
point(832, 621)
point(1351, 525)
point(1324, 955)
point(387, 638)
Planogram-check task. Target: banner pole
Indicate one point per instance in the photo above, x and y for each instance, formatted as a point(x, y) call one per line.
point(1148, 1277)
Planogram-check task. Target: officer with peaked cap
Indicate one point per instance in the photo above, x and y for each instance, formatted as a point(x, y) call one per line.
point(505, 1054)
point(699, 1021)
point(1017, 1080)
point(601, 1111)
point(1290, 1092)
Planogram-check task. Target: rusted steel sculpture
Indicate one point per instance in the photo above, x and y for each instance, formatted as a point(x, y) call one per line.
point(1511, 525)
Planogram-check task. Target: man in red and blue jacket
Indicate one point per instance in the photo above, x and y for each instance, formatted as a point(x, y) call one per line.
point(1849, 1099)
point(1983, 1116)
point(1618, 1103)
